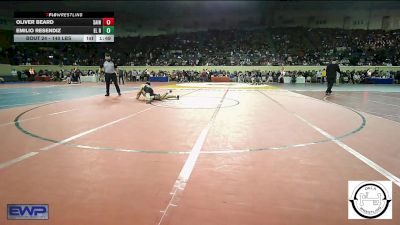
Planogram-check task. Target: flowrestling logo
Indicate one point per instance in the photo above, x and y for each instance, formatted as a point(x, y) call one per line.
point(27, 211)
point(370, 200)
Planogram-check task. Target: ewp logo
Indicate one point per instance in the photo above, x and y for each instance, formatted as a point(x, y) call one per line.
point(28, 212)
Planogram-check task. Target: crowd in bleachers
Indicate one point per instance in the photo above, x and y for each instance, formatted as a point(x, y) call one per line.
point(49, 75)
point(260, 76)
point(280, 46)
point(245, 76)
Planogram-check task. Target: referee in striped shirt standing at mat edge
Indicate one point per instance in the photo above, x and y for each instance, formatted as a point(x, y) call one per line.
point(110, 70)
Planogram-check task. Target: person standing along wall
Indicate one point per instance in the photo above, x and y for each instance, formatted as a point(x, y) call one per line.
point(121, 77)
point(331, 70)
point(323, 75)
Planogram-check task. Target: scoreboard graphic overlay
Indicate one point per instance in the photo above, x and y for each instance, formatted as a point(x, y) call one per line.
point(64, 26)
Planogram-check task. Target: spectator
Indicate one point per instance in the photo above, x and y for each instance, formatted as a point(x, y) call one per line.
point(331, 74)
point(14, 72)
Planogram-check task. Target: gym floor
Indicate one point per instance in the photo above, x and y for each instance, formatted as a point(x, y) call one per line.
point(219, 155)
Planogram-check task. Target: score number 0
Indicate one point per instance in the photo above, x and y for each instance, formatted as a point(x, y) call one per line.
point(108, 21)
point(108, 25)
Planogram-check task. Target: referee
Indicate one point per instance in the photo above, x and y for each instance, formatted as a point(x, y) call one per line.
point(111, 71)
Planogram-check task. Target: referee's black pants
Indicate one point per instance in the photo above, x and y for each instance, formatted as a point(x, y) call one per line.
point(330, 85)
point(113, 77)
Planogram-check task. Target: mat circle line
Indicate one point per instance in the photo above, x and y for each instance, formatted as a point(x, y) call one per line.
point(221, 151)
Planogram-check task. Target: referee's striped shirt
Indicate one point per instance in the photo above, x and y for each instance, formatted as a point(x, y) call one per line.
point(109, 67)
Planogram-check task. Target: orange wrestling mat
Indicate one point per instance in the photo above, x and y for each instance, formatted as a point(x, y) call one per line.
point(219, 155)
